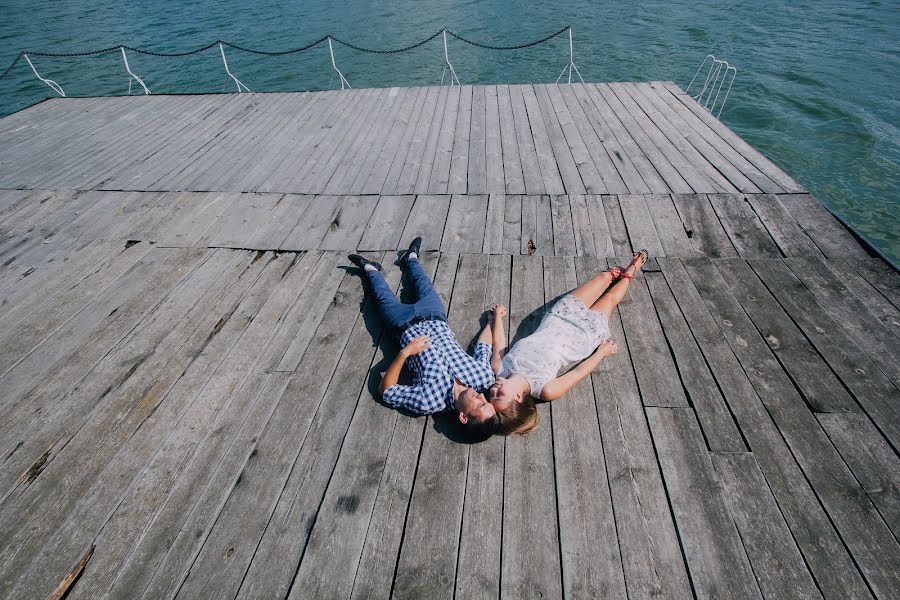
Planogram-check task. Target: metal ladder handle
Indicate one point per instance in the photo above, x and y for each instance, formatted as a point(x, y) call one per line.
point(334, 66)
point(132, 75)
point(230, 74)
point(53, 85)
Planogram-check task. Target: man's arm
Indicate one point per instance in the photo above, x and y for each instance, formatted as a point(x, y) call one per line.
point(498, 311)
point(557, 388)
point(392, 375)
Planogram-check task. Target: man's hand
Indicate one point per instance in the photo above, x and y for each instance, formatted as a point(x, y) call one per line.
point(417, 345)
point(499, 311)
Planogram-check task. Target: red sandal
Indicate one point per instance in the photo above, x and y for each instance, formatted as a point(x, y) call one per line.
point(633, 262)
point(615, 272)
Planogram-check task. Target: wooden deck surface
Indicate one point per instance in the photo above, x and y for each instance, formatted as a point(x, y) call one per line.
point(187, 368)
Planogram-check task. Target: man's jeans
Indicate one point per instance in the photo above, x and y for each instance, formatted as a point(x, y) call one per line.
point(398, 316)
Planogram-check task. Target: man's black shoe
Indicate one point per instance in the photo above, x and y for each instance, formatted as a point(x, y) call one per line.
point(414, 246)
point(362, 261)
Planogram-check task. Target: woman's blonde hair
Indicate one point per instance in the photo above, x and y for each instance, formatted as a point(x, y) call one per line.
point(520, 417)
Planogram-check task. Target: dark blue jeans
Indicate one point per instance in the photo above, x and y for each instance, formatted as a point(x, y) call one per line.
point(397, 315)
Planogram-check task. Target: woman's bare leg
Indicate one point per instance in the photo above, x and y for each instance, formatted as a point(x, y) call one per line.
point(616, 293)
point(590, 290)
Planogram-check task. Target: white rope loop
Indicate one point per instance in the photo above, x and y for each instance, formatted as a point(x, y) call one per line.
point(133, 76)
point(336, 70)
point(571, 66)
point(53, 85)
point(227, 70)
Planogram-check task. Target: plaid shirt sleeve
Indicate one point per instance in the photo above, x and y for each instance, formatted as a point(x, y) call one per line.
point(482, 353)
point(426, 397)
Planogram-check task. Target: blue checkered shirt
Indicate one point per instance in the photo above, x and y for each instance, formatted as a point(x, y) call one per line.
point(435, 368)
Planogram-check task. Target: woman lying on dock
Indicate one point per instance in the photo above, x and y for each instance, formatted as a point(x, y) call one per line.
point(575, 329)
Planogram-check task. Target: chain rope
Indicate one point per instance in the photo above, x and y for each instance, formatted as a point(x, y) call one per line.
point(282, 52)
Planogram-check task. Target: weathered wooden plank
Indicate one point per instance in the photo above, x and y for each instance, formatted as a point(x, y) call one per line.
point(881, 276)
point(427, 219)
point(712, 412)
point(563, 229)
point(633, 166)
point(582, 228)
point(512, 225)
point(612, 180)
point(762, 163)
point(386, 172)
point(314, 223)
point(349, 224)
point(446, 100)
point(669, 226)
point(791, 239)
point(530, 562)
point(537, 226)
point(239, 518)
point(511, 162)
point(477, 163)
point(864, 327)
point(641, 228)
point(651, 557)
point(798, 357)
point(872, 460)
point(381, 153)
point(439, 174)
point(557, 170)
point(646, 343)
point(777, 562)
point(700, 150)
point(459, 163)
point(437, 498)
point(425, 134)
point(702, 226)
point(206, 209)
point(860, 525)
point(531, 170)
point(568, 134)
point(482, 516)
point(493, 229)
point(589, 546)
point(493, 142)
point(656, 90)
point(871, 296)
point(386, 224)
point(615, 222)
point(274, 564)
point(825, 553)
point(715, 556)
point(464, 232)
point(680, 150)
point(237, 226)
point(176, 371)
point(611, 107)
point(226, 400)
point(829, 234)
point(280, 222)
point(746, 232)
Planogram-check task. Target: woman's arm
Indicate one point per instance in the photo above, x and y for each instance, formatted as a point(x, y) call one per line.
point(392, 375)
point(498, 311)
point(557, 388)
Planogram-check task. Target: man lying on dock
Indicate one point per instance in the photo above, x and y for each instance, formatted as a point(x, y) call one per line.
point(445, 377)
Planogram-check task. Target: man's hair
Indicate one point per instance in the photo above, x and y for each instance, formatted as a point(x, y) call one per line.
point(478, 431)
point(520, 417)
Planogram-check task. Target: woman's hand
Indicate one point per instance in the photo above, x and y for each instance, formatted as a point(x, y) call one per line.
point(417, 345)
point(607, 348)
point(498, 310)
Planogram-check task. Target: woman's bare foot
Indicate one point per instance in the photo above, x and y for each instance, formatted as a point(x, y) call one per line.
point(639, 260)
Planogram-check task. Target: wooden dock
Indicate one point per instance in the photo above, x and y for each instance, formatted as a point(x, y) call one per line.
point(187, 370)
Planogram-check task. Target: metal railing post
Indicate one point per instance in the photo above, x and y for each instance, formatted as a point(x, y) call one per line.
point(53, 85)
point(571, 66)
point(334, 66)
point(132, 75)
point(227, 70)
point(447, 64)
